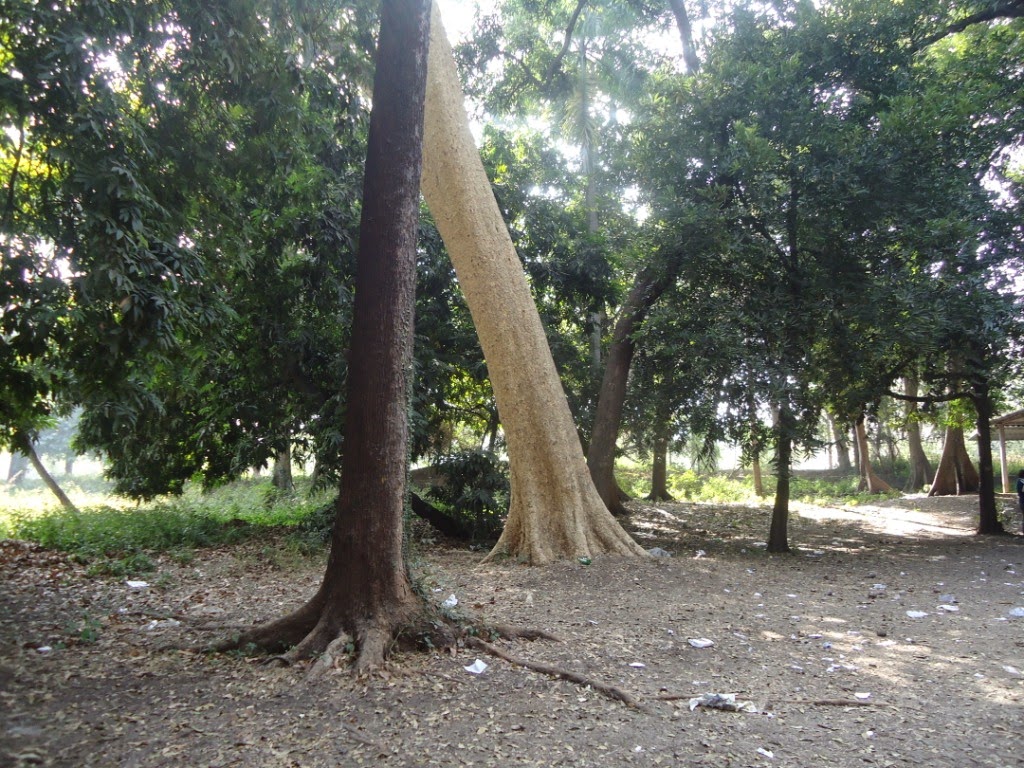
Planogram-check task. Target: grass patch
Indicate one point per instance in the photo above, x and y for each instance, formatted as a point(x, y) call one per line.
point(117, 537)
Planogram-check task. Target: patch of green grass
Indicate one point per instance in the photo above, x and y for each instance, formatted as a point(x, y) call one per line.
point(117, 537)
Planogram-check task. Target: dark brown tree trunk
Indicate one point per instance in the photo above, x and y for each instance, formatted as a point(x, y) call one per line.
point(778, 534)
point(988, 517)
point(955, 475)
point(869, 481)
point(366, 594)
point(648, 287)
point(24, 445)
point(920, 468)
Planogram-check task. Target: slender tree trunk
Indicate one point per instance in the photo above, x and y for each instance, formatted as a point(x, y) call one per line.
point(856, 450)
point(920, 469)
point(955, 474)
point(25, 446)
point(778, 534)
point(869, 481)
point(988, 516)
point(611, 400)
point(755, 466)
point(366, 594)
point(555, 511)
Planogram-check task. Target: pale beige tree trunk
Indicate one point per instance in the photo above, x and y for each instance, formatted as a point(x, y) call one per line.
point(555, 511)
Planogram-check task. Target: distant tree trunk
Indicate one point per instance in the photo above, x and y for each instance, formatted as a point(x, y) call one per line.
point(920, 469)
point(778, 534)
point(611, 400)
point(856, 450)
point(869, 481)
point(659, 465)
point(988, 517)
point(16, 469)
point(69, 464)
point(755, 465)
point(955, 475)
point(555, 512)
point(366, 593)
point(24, 445)
point(842, 446)
point(282, 475)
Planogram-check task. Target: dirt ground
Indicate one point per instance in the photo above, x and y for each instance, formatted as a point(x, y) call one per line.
point(888, 638)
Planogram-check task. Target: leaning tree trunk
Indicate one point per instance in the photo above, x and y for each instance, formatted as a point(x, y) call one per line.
point(869, 481)
point(920, 469)
point(955, 475)
point(611, 400)
point(366, 595)
point(24, 445)
point(555, 511)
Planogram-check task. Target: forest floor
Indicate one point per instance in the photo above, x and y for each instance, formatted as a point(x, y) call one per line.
point(890, 637)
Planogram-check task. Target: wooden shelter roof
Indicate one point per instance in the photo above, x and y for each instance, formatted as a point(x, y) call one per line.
point(1010, 424)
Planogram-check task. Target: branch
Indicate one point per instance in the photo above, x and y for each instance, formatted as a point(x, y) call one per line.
point(610, 691)
point(1011, 9)
point(557, 61)
point(686, 35)
point(928, 398)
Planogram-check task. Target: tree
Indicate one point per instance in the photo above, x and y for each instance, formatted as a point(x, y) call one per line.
point(366, 594)
point(555, 512)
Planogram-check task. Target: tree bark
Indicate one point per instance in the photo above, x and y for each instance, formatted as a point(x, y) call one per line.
point(685, 35)
point(988, 516)
point(659, 467)
point(778, 533)
point(366, 593)
point(869, 481)
point(920, 469)
point(611, 400)
point(955, 475)
point(24, 445)
point(282, 475)
point(555, 511)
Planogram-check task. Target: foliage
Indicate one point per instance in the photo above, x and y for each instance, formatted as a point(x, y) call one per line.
point(475, 487)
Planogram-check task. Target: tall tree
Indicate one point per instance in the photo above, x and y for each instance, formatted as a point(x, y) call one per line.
point(366, 593)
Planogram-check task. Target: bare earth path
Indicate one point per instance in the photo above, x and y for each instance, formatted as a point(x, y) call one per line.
point(887, 639)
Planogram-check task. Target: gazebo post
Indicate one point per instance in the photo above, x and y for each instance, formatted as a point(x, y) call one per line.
point(1002, 459)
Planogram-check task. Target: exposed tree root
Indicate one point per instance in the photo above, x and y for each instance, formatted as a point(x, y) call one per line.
point(516, 633)
point(611, 691)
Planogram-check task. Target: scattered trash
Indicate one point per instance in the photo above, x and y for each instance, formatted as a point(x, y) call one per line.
point(137, 584)
point(637, 665)
point(917, 614)
point(162, 624)
point(1017, 613)
point(44, 649)
point(948, 608)
point(862, 695)
point(584, 560)
point(476, 668)
point(947, 599)
point(700, 553)
point(658, 552)
point(766, 752)
point(450, 602)
point(701, 642)
point(1012, 671)
point(725, 701)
